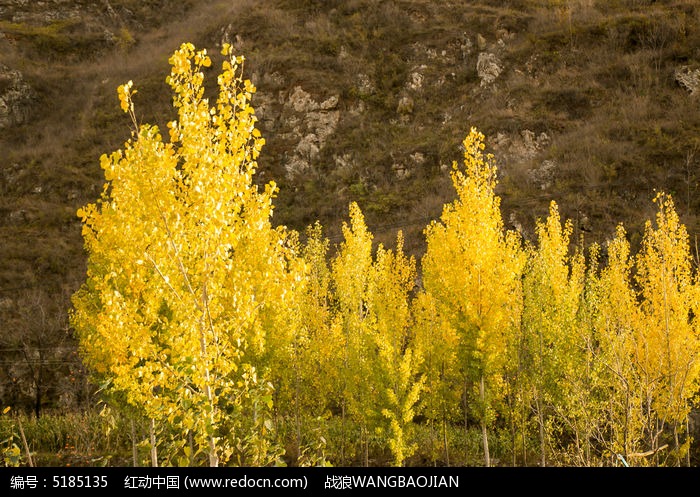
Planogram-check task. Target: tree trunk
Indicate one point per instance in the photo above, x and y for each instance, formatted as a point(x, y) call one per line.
point(154, 448)
point(444, 435)
point(134, 447)
point(484, 433)
point(30, 462)
point(540, 419)
point(39, 381)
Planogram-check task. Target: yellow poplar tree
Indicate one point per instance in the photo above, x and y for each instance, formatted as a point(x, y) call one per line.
point(616, 322)
point(667, 352)
point(380, 382)
point(472, 269)
point(350, 272)
point(309, 379)
point(398, 354)
point(186, 277)
point(553, 286)
point(440, 400)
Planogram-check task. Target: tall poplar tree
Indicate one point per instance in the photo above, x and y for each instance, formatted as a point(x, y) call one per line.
point(380, 359)
point(187, 279)
point(351, 270)
point(472, 269)
point(617, 322)
point(308, 386)
point(553, 286)
point(398, 354)
point(667, 352)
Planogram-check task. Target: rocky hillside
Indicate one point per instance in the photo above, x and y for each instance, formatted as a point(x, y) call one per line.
point(592, 103)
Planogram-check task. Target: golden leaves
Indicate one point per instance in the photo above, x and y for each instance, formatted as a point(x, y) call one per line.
point(125, 94)
point(164, 306)
point(190, 289)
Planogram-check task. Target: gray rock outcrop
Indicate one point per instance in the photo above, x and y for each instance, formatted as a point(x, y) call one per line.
point(488, 67)
point(688, 79)
point(313, 122)
point(16, 98)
